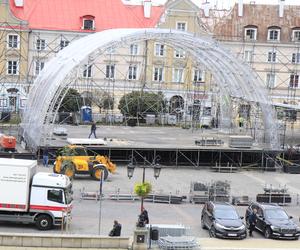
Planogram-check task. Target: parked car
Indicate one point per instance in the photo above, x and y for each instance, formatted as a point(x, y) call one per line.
point(222, 220)
point(273, 221)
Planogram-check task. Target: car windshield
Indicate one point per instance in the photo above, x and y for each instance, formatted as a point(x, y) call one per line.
point(227, 214)
point(278, 214)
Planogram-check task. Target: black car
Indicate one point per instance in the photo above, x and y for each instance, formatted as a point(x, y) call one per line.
point(273, 221)
point(222, 220)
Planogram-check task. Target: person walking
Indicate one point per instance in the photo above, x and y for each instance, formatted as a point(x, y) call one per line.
point(45, 157)
point(252, 221)
point(116, 230)
point(93, 130)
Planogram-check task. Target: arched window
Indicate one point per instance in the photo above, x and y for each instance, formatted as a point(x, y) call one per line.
point(296, 34)
point(250, 33)
point(274, 33)
point(88, 22)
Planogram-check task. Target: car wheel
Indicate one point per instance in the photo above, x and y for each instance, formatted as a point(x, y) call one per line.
point(268, 233)
point(212, 232)
point(203, 224)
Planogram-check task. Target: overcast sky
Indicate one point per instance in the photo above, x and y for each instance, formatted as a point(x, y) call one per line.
point(229, 3)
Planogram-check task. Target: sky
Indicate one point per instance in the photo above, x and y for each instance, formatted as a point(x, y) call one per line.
point(229, 3)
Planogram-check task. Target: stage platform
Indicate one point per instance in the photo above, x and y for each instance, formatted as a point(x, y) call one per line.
point(175, 146)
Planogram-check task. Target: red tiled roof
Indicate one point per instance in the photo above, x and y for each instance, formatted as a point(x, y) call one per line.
point(67, 14)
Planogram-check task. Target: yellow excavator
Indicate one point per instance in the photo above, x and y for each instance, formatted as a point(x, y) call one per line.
point(74, 159)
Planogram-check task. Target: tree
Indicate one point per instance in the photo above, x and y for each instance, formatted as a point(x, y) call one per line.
point(138, 103)
point(72, 101)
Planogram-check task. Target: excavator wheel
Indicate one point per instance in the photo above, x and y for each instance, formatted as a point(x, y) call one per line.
point(97, 172)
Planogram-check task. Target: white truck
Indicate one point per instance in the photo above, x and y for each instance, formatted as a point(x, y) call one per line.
point(44, 199)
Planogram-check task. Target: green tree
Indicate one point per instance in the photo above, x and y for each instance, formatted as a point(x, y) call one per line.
point(72, 101)
point(138, 103)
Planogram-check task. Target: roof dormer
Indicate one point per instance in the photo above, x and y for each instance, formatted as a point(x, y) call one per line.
point(88, 22)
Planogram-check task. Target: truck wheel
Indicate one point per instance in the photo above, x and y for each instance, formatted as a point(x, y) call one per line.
point(69, 170)
point(43, 222)
point(97, 172)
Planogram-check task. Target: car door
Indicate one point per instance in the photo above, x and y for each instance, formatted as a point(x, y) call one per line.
point(260, 224)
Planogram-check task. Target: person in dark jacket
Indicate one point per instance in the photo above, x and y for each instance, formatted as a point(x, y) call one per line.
point(116, 231)
point(252, 221)
point(93, 130)
point(145, 216)
point(45, 157)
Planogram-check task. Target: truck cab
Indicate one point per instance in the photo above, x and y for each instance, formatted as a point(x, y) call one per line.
point(50, 199)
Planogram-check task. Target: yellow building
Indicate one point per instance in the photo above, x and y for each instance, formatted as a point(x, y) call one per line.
point(13, 60)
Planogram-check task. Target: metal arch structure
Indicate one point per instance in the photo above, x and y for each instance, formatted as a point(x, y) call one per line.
point(234, 77)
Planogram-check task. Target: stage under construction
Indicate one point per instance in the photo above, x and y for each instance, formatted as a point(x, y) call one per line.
point(176, 147)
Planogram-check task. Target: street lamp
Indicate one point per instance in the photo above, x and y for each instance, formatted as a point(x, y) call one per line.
point(156, 167)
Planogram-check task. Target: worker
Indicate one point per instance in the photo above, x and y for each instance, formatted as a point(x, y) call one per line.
point(45, 157)
point(93, 130)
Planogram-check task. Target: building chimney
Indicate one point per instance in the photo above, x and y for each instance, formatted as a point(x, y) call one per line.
point(147, 8)
point(206, 8)
point(281, 8)
point(19, 3)
point(240, 8)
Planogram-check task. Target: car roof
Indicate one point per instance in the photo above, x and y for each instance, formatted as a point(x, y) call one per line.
point(267, 205)
point(221, 205)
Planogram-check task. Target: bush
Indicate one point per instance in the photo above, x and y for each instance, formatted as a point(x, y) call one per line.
point(142, 189)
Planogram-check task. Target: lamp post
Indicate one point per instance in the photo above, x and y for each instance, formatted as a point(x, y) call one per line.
point(156, 167)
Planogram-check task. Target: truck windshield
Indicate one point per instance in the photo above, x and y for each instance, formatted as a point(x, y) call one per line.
point(69, 195)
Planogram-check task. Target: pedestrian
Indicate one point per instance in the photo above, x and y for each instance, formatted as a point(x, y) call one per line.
point(116, 230)
point(144, 216)
point(241, 121)
point(45, 156)
point(252, 221)
point(93, 130)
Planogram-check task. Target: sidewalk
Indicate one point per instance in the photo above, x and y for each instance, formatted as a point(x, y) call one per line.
point(208, 244)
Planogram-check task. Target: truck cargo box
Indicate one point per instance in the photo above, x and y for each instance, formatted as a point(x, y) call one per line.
point(15, 179)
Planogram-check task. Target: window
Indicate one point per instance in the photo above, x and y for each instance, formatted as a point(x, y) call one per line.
point(13, 41)
point(132, 72)
point(40, 44)
point(88, 24)
point(179, 53)
point(159, 49)
point(39, 65)
point(87, 72)
point(55, 196)
point(13, 68)
point(294, 80)
point(250, 34)
point(248, 55)
point(158, 74)
point(270, 80)
point(133, 49)
point(3, 103)
point(296, 58)
point(110, 71)
point(296, 36)
point(181, 26)
point(272, 56)
point(64, 43)
point(178, 75)
point(199, 75)
point(22, 103)
point(273, 34)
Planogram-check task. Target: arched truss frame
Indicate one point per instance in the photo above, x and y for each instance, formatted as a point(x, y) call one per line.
point(234, 77)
